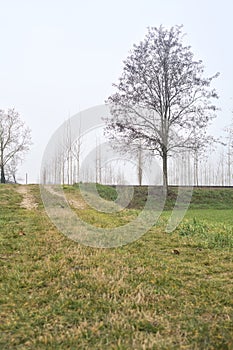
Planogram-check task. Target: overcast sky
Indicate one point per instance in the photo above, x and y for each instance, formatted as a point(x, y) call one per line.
point(59, 57)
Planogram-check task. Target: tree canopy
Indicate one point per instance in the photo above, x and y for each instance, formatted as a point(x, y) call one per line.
point(162, 100)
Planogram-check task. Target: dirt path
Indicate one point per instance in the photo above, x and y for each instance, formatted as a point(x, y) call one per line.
point(28, 201)
point(77, 204)
point(75, 201)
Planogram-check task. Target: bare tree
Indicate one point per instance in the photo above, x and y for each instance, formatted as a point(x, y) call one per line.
point(200, 146)
point(98, 162)
point(76, 151)
point(11, 170)
point(161, 93)
point(229, 144)
point(15, 139)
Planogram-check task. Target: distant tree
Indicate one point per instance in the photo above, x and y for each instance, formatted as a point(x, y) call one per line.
point(11, 169)
point(162, 96)
point(77, 150)
point(229, 144)
point(15, 139)
point(200, 147)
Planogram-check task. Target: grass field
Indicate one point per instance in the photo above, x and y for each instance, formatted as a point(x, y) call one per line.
point(57, 294)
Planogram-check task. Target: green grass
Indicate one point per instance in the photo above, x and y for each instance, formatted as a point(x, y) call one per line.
point(202, 198)
point(221, 216)
point(57, 294)
point(105, 192)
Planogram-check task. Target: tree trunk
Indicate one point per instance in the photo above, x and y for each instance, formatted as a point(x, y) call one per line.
point(140, 166)
point(14, 178)
point(165, 175)
point(196, 170)
point(3, 179)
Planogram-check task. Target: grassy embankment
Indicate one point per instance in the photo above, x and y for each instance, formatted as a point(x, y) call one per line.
point(57, 294)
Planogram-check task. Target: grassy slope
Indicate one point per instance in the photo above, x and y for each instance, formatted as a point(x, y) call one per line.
point(202, 198)
point(56, 294)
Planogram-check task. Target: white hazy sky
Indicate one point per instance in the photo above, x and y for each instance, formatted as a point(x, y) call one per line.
point(59, 57)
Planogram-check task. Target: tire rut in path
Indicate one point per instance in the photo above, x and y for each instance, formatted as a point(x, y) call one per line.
point(28, 201)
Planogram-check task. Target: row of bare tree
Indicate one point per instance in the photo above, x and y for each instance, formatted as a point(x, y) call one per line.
point(190, 167)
